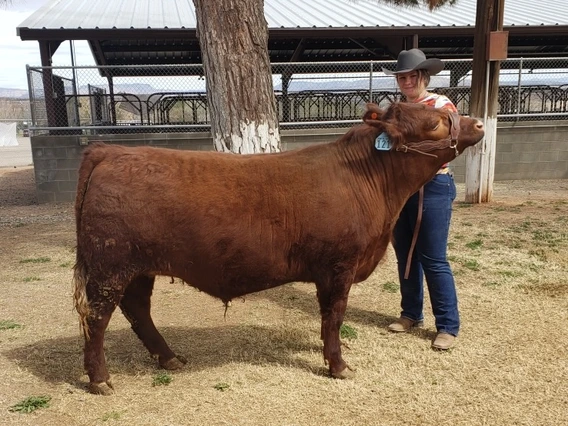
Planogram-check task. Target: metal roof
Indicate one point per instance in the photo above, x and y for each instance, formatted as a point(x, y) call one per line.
point(144, 14)
point(135, 32)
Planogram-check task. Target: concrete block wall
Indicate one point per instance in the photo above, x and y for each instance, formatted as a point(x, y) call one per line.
point(524, 151)
point(56, 158)
point(527, 150)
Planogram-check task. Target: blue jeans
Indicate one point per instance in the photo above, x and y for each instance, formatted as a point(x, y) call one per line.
point(430, 255)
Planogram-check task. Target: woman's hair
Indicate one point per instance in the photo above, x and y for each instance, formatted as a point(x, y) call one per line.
point(423, 75)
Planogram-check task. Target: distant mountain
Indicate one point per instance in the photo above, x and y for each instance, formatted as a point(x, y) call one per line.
point(132, 88)
point(13, 93)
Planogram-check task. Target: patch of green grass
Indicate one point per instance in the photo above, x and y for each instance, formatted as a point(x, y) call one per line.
point(511, 274)
point(30, 279)
point(113, 415)
point(516, 244)
point(522, 227)
point(534, 267)
point(506, 209)
point(31, 404)
point(491, 284)
point(19, 225)
point(162, 379)
point(9, 325)
point(390, 287)
point(551, 239)
point(475, 244)
point(66, 264)
point(347, 332)
point(222, 386)
point(540, 254)
point(471, 264)
point(36, 260)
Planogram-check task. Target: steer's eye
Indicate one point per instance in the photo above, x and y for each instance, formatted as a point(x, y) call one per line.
point(433, 126)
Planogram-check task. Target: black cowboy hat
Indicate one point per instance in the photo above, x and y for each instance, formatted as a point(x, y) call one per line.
point(415, 59)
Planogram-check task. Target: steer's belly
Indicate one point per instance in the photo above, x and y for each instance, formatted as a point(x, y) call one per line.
point(226, 283)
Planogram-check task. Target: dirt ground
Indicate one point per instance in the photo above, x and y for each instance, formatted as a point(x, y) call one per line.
point(261, 364)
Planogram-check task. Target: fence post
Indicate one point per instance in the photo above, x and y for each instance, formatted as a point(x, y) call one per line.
point(31, 96)
point(519, 89)
point(371, 83)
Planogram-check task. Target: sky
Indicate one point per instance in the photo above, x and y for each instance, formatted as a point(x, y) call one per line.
point(16, 54)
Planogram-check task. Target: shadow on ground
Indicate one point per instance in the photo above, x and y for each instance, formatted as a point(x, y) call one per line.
point(289, 297)
point(60, 360)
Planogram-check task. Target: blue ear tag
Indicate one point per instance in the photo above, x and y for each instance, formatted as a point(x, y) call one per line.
point(383, 143)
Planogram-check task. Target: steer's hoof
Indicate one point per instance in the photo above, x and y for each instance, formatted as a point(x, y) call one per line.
point(175, 363)
point(346, 373)
point(101, 388)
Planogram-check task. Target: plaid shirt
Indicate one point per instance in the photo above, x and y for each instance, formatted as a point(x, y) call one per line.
point(438, 101)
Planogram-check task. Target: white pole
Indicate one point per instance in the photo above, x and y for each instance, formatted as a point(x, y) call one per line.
point(485, 114)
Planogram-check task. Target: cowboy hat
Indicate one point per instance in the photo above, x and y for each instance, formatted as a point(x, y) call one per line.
point(415, 59)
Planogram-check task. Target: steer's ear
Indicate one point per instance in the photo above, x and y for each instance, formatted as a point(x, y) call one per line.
point(373, 115)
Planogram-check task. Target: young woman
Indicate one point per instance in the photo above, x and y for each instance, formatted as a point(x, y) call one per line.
point(429, 257)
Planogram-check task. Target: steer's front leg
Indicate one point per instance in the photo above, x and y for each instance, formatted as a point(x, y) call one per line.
point(332, 297)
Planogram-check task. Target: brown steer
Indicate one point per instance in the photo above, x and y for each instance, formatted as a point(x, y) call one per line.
point(230, 224)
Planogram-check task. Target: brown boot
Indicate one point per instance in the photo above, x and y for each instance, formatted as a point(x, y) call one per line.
point(443, 341)
point(403, 325)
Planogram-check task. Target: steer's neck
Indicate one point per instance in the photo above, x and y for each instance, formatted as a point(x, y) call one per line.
point(404, 174)
point(386, 179)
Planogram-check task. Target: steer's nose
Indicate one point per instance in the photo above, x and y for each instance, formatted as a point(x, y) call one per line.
point(479, 125)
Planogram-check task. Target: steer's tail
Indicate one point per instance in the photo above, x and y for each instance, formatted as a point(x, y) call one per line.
point(92, 156)
point(80, 294)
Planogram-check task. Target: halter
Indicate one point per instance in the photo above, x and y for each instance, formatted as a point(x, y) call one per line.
point(428, 145)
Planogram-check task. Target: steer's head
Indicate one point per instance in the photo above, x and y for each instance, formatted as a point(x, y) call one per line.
point(419, 128)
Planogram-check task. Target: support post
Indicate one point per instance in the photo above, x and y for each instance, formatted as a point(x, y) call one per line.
point(488, 50)
point(47, 79)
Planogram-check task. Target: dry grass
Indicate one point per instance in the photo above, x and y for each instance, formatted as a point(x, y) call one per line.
point(262, 364)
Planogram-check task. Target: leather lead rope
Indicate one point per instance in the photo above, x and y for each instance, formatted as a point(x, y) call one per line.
point(428, 146)
point(416, 230)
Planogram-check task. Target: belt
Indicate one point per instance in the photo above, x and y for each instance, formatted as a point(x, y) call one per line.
point(443, 171)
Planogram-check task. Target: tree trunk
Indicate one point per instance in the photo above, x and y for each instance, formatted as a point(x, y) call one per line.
point(233, 36)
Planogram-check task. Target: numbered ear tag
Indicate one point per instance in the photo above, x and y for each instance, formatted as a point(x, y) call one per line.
point(383, 143)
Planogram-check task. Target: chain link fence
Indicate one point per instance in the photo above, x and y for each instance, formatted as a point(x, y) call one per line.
point(129, 99)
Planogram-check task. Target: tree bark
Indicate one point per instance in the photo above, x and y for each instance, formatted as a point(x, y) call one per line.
point(233, 36)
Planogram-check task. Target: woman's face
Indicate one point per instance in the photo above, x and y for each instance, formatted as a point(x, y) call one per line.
point(411, 85)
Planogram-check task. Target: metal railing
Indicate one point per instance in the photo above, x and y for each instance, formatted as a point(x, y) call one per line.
point(173, 99)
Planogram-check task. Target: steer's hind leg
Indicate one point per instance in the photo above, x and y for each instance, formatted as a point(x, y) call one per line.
point(135, 305)
point(103, 297)
point(332, 296)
